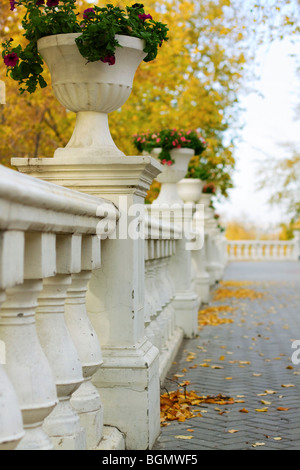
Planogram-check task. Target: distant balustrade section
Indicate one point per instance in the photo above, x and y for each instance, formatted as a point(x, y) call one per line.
point(159, 314)
point(261, 250)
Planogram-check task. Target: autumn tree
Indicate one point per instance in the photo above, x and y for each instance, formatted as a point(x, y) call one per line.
point(193, 83)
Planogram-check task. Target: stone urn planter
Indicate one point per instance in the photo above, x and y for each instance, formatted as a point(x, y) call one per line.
point(90, 89)
point(171, 175)
point(206, 200)
point(190, 189)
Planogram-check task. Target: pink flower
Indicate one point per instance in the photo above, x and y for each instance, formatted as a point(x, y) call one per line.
point(52, 3)
point(11, 59)
point(169, 162)
point(144, 17)
point(183, 139)
point(164, 161)
point(88, 13)
point(12, 4)
point(158, 140)
point(109, 59)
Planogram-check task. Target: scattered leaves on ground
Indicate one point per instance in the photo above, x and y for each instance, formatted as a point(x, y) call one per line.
point(210, 316)
point(177, 405)
point(240, 293)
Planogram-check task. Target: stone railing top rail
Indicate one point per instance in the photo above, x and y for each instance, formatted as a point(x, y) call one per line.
point(160, 229)
point(27, 203)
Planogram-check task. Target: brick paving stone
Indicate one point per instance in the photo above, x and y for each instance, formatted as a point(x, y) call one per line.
point(262, 333)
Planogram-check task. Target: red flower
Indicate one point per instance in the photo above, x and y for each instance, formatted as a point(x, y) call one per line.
point(11, 59)
point(109, 59)
point(88, 13)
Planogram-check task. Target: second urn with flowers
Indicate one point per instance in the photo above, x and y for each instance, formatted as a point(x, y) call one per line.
point(174, 149)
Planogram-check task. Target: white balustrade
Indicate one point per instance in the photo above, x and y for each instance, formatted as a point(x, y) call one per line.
point(44, 269)
point(263, 250)
point(92, 320)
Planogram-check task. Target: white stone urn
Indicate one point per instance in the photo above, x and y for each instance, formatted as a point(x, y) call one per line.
point(171, 175)
point(90, 89)
point(206, 200)
point(190, 189)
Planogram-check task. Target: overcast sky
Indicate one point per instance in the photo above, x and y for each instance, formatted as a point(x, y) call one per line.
point(270, 120)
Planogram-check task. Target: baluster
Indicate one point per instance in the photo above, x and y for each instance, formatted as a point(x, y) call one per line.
point(86, 399)
point(11, 423)
point(26, 364)
point(63, 424)
point(172, 288)
point(151, 330)
point(152, 279)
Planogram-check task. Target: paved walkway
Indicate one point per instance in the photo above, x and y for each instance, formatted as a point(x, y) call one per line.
point(249, 360)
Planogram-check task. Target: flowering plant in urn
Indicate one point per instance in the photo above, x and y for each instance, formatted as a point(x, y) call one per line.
point(173, 148)
point(169, 139)
point(92, 59)
point(98, 39)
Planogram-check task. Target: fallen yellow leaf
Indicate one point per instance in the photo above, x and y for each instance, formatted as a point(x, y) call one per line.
point(262, 410)
point(257, 444)
point(277, 438)
point(232, 431)
point(183, 437)
point(243, 410)
point(288, 385)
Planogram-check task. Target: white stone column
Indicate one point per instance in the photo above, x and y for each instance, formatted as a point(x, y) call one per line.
point(128, 381)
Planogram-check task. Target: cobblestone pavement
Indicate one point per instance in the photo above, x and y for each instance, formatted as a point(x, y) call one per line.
point(255, 356)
